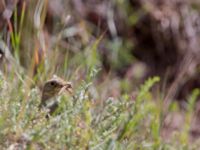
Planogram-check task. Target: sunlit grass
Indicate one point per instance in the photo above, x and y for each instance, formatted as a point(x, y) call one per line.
point(82, 121)
point(100, 114)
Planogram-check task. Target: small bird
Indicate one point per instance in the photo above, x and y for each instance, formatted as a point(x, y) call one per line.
point(51, 89)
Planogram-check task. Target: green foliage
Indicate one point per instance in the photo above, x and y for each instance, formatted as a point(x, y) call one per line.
point(97, 115)
point(117, 123)
point(16, 31)
point(79, 123)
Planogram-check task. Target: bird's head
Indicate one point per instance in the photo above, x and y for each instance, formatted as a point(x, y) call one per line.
point(54, 87)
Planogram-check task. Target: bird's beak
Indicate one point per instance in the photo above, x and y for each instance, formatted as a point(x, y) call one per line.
point(66, 87)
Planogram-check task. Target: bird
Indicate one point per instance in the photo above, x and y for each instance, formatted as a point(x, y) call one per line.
point(51, 89)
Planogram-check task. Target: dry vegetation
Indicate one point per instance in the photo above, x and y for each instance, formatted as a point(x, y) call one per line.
point(134, 66)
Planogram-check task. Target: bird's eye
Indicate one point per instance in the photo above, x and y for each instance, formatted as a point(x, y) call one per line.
point(52, 83)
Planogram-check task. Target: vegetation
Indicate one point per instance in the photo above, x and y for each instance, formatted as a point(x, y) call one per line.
point(106, 110)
